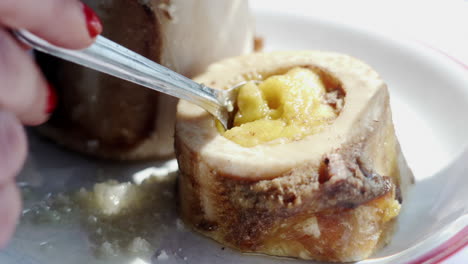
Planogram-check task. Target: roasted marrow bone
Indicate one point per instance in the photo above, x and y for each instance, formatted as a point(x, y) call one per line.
point(108, 117)
point(332, 195)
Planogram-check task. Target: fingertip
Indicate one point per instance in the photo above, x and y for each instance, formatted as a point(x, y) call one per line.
point(78, 28)
point(39, 104)
point(93, 23)
point(50, 103)
point(23, 91)
point(51, 99)
point(14, 146)
point(10, 209)
point(92, 28)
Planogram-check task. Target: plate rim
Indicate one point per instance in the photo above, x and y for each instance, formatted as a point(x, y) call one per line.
point(458, 240)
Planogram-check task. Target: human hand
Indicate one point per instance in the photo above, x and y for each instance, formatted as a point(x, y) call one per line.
point(25, 96)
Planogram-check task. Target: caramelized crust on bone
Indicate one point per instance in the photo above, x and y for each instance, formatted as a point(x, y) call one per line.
point(291, 215)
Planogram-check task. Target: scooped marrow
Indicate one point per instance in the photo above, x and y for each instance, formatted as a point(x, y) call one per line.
point(288, 106)
point(330, 190)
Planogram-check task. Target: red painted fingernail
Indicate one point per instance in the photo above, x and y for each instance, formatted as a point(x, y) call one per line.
point(51, 99)
point(92, 22)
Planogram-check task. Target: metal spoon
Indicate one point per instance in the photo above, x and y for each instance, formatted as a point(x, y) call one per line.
point(111, 58)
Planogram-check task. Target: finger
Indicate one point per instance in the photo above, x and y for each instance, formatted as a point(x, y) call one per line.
point(13, 148)
point(23, 90)
point(23, 45)
point(66, 23)
point(10, 207)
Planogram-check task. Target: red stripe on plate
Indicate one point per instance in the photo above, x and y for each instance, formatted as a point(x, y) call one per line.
point(447, 249)
point(457, 61)
point(460, 240)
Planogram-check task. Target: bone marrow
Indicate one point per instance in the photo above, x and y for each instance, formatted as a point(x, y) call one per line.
point(328, 188)
point(286, 106)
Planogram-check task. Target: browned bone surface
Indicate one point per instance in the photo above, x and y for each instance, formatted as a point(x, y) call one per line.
point(107, 117)
point(99, 108)
point(324, 197)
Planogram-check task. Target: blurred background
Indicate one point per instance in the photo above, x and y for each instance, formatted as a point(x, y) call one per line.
point(442, 24)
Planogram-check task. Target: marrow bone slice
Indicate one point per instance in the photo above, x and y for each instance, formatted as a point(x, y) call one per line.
point(331, 196)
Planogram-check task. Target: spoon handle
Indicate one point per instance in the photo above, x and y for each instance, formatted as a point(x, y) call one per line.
point(111, 58)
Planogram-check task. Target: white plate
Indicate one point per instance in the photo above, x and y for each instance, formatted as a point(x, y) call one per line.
point(429, 96)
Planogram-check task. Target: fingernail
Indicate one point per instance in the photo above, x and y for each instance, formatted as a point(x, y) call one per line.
point(51, 99)
point(92, 22)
